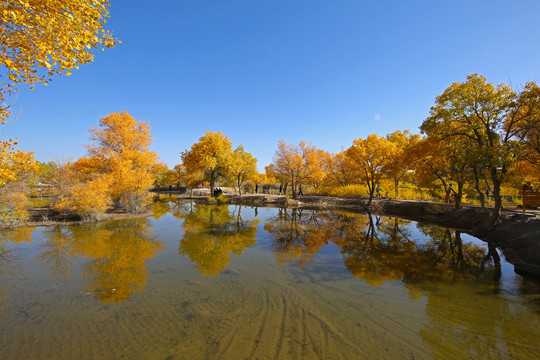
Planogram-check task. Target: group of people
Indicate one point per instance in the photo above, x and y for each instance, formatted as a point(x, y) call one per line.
point(217, 192)
point(299, 190)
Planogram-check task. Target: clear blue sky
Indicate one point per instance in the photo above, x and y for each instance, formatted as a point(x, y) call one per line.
point(259, 71)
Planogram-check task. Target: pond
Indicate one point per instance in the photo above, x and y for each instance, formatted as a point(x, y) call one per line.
point(232, 282)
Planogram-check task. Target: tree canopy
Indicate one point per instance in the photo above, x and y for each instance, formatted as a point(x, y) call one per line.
point(43, 38)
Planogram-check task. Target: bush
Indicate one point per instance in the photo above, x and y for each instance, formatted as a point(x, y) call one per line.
point(222, 199)
point(87, 199)
point(344, 191)
point(13, 209)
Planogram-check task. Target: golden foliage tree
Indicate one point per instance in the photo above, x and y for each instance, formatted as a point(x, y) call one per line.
point(88, 198)
point(15, 169)
point(402, 159)
point(490, 119)
point(243, 166)
point(211, 157)
point(189, 179)
point(42, 38)
point(296, 164)
point(339, 170)
point(121, 157)
point(371, 159)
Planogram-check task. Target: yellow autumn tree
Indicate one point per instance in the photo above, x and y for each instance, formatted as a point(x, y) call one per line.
point(490, 119)
point(122, 149)
point(15, 169)
point(371, 159)
point(43, 38)
point(189, 179)
point(403, 160)
point(243, 166)
point(121, 158)
point(338, 170)
point(162, 175)
point(297, 164)
point(315, 163)
point(211, 157)
point(88, 199)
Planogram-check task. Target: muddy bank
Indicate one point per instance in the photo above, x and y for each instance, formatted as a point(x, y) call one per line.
point(45, 216)
point(518, 235)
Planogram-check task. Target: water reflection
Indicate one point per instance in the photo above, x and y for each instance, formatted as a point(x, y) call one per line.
point(443, 297)
point(379, 249)
point(298, 234)
point(118, 251)
point(212, 233)
point(466, 321)
point(10, 271)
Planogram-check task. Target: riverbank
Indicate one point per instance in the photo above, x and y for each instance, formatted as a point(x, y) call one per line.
point(517, 235)
point(46, 216)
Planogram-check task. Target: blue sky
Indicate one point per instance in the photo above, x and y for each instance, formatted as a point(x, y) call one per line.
point(327, 72)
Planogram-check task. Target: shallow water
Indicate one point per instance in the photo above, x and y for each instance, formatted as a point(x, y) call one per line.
point(230, 282)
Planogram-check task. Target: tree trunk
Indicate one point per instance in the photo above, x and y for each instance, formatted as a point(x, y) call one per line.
point(477, 188)
point(293, 186)
point(459, 195)
point(212, 180)
point(371, 189)
point(447, 195)
point(239, 186)
point(459, 245)
point(497, 210)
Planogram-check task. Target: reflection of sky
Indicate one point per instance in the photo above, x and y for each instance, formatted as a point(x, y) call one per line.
point(169, 230)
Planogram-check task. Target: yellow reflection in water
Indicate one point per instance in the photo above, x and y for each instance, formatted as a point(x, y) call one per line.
point(118, 251)
point(379, 249)
point(471, 321)
point(298, 234)
point(9, 271)
point(212, 233)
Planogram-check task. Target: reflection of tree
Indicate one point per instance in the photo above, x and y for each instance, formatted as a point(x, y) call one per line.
point(9, 271)
point(160, 207)
point(379, 249)
point(298, 234)
point(16, 235)
point(212, 233)
point(480, 325)
point(118, 250)
point(396, 257)
point(56, 254)
point(180, 208)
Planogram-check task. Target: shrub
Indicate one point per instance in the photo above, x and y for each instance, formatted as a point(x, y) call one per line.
point(13, 208)
point(87, 199)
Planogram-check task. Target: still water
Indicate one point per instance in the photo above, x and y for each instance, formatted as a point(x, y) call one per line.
point(231, 282)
